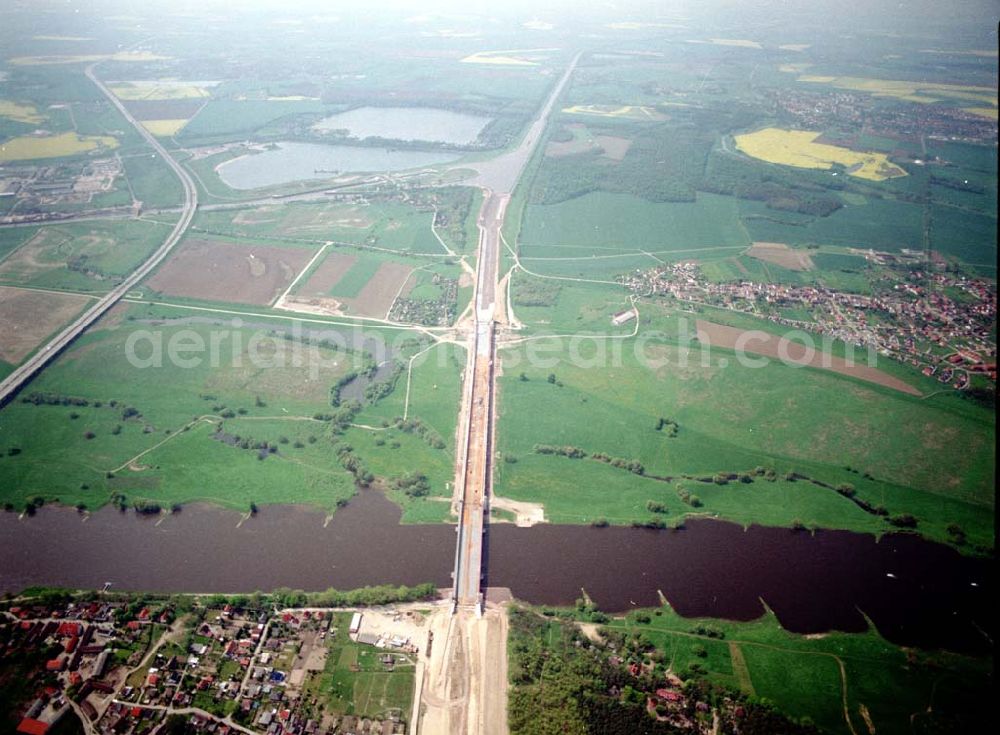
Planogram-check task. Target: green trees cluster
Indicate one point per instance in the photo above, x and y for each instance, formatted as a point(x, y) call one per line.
point(564, 682)
point(421, 429)
point(413, 484)
point(354, 464)
point(668, 426)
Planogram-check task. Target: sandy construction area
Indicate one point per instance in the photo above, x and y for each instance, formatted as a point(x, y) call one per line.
point(28, 317)
point(463, 685)
point(779, 348)
point(216, 270)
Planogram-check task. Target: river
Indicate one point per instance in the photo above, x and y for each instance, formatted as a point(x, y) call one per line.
point(813, 582)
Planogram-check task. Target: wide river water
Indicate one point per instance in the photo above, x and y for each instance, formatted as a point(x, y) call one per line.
point(812, 582)
point(291, 161)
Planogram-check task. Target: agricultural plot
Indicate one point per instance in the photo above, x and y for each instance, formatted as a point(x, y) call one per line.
point(31, 147)
point(219, 270)
point(799, 148)
point(731, 42)
point(977, 100)
point(231, 429)
point(384, 225)
point(160, 89)
point(28, 317)
point(20, 113)
point(121, 56)
point(605, 233)
point(90, 256)
point(626, 112)
point(359, 284)
point(163, 107)
point(881, 224)
point(513, 57)
point(720, 335)
point(315, 220)
point(780, 254)
point(228, 118)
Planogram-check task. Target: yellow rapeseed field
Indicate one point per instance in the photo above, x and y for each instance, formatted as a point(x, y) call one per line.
point(925, 92)
point(84, 58)
point(52, 146)
point(990, 112)
point(798, 148)
point(157, 90)
point(20, 113)
point(496, 57)
point(164, 128)
point(508, 57)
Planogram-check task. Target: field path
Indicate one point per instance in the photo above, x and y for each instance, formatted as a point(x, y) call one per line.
point(740, 668)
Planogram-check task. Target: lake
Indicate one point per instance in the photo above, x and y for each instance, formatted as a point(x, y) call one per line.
point(289, 162)
point(407, 123)
point(813, 582)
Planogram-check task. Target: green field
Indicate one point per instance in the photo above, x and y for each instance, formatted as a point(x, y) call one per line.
point(605, 224)
point(386, 225)
point(185, 443)
point(356, 277)
point(734, 419)
point(391, 452)
point(148, 432)
point(88, 256)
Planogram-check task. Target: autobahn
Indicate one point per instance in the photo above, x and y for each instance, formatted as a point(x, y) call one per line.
point(498, 178)
point(27, 370)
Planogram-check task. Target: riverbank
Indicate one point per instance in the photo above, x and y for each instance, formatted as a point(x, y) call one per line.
point(915, 592)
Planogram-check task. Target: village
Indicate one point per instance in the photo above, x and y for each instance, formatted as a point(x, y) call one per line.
point(938, 322)
point(127, 667)
point(858, 111)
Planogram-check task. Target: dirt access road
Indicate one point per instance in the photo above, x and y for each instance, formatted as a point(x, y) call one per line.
point(463, 683)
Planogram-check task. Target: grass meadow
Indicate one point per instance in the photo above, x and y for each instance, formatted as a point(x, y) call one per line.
point(734, 419)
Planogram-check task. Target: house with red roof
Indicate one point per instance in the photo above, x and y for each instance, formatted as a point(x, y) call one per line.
point(30, 726)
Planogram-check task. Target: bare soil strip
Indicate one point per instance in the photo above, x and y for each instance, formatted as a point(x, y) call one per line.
point(222, 271)
point(28, 317)
point(780, 254)
point(768, 345)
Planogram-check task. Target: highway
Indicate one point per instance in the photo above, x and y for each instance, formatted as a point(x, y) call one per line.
point(498, 178)
point(463, 688)
point(23, 374)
